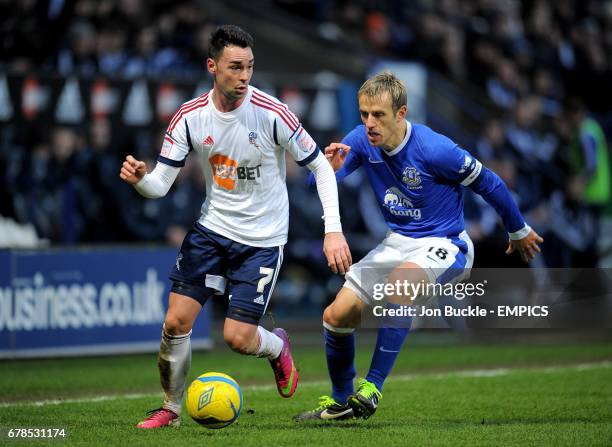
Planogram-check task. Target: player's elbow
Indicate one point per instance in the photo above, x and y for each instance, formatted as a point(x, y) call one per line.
point(149, 192)
point(151, 196)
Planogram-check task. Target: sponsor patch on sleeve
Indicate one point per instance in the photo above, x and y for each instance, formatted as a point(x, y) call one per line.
point(305, 141)
point(167, 146)
point(468, 165)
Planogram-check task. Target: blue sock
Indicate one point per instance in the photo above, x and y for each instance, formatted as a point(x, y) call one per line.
point(340, 352)
point(388, 345)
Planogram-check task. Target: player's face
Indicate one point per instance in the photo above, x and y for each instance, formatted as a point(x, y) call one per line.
point(232, 71)
point(383, 125)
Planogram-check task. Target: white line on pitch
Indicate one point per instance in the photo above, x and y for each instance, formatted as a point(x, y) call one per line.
point(475, 373)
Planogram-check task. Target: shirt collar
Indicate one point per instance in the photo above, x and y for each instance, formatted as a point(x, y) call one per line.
point(404, 141)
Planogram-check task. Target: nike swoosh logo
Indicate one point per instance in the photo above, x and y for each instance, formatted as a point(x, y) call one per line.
point(287, 389)
point(382, 349)
point(375, 161)
point(325, 414)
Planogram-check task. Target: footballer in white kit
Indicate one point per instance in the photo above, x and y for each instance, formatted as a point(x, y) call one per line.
point(236, 247)
point(243, 159)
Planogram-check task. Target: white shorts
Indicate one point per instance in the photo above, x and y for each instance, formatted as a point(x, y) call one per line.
point(445, 260)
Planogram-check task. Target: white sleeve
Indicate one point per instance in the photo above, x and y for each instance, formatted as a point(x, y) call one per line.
point(328, 192)
point(291, 136)
point(157, 183)
point(300, 145)
point(177, 142)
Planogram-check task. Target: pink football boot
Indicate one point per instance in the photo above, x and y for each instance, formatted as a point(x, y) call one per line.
point(160, 417)
point(285, 372)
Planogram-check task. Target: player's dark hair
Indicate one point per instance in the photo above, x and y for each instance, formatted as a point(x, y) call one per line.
point(225, 36)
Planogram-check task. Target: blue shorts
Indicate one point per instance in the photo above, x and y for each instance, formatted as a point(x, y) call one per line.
point(210, 264)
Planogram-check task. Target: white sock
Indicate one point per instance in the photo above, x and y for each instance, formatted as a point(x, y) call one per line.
point(270, 345)
point(174, 361)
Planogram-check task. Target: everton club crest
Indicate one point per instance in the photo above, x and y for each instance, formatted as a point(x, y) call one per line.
point(412, 178)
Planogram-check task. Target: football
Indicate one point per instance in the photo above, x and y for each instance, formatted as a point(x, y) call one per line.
point(214, 400)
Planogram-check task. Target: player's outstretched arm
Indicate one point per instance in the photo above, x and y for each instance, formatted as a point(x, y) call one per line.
point(153, 185)
point(457, 165)
point(527, 246)
point(495, 192)
point(335, 248)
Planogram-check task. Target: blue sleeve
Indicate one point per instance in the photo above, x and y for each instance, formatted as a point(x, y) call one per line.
point(453, 164)
point(456, 165)
point(352, 161)
point(494, 191)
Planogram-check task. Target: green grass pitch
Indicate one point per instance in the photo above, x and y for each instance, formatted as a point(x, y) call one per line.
point(451, 395)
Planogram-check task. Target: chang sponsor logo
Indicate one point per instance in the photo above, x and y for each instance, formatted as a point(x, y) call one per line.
point(400, 205)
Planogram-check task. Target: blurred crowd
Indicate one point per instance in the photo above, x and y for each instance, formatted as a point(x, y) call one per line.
point(67, 186)
point(114, 38)
point(510, 48)
point(545, 69)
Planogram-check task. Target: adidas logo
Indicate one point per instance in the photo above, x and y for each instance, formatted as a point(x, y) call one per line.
point(208, 141)
point(259, 300)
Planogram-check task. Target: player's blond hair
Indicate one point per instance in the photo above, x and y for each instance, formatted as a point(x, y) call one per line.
point(386, 83)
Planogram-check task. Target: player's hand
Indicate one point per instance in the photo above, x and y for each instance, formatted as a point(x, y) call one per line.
point(527, 247)
point(337, 253)
point(336, 154)
point(132, 170)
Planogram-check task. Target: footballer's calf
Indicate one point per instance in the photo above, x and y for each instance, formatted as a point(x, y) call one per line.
point(240, 337)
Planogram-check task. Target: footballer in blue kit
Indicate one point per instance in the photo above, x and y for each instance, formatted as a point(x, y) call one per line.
point(418, 177)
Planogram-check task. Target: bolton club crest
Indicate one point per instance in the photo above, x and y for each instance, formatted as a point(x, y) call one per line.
point(253, 139)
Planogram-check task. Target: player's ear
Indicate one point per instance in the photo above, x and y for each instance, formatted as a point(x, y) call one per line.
point(402, 112)
point(211, 65)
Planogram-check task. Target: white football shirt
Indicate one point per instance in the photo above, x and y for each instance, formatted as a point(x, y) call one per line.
point(243, 157)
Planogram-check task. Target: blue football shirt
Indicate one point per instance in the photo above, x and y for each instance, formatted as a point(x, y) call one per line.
point(418, 185)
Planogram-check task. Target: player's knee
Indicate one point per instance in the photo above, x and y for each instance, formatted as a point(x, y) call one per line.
point(407, 273)
point(335, 319)
point(177, 325)
point(238, 342)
